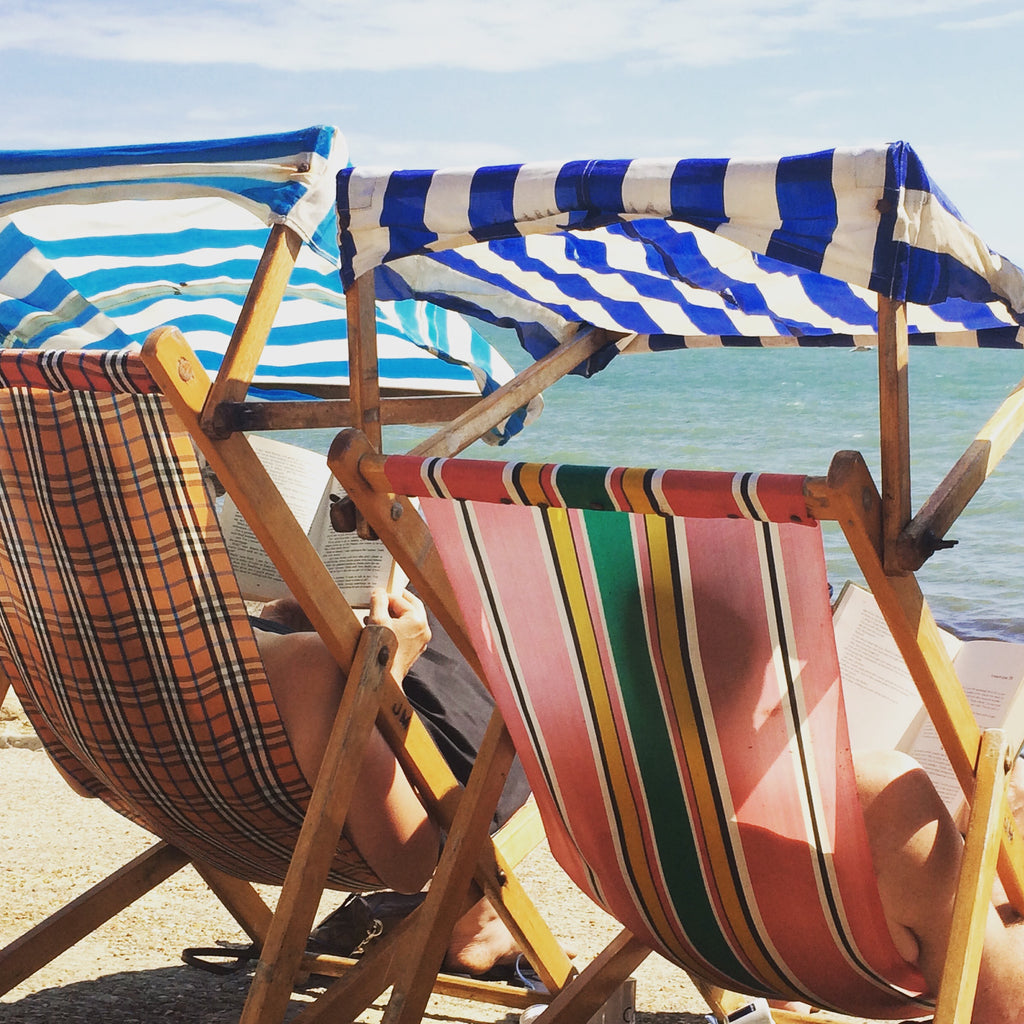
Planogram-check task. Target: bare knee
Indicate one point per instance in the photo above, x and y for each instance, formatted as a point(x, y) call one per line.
point(917, 851)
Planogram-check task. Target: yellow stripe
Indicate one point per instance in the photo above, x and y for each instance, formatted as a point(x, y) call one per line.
point(529, 484)
point(633, 488)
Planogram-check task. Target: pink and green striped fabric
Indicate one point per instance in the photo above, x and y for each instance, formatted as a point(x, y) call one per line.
point(661, 647)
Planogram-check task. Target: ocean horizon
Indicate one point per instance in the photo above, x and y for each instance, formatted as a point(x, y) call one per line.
point(790, 410)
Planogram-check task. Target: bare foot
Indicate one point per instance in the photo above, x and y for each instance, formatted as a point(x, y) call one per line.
point(479, 941)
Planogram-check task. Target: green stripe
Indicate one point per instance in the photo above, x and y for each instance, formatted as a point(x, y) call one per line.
point(618, 583)
point(583, 487)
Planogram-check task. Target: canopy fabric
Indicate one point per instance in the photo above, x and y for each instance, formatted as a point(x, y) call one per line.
point(100, 246)
point(685, 252)
point(285, 178)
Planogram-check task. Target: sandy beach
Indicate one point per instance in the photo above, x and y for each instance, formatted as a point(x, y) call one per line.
point(54, 844)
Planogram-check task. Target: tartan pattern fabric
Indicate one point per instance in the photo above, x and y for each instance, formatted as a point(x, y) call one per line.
point(62, 370)
point(122, 629)
point(672, 687)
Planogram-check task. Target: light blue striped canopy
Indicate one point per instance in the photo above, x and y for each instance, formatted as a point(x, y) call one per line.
point(100, 246)
point(681, 253)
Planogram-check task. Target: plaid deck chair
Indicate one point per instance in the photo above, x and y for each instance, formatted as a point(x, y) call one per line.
point(126, 639)
point(660, 646)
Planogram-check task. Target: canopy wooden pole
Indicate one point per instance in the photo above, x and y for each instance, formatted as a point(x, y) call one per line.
point(254, 323)
point(364, 381)
point(894, 424)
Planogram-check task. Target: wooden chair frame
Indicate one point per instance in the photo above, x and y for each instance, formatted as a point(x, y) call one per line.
point(181, 378)
point(889, 541)
point(364, 653)
point(982, 761)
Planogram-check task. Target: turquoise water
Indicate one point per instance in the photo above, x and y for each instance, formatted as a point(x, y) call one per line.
point(789, 411)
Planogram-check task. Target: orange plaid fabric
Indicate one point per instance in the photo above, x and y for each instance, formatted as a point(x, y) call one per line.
point(122, 629)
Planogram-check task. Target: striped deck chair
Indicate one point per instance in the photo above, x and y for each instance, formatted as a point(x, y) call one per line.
point(660, 646)
point(126, 639)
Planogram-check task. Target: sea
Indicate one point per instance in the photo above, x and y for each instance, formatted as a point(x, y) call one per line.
point(790, 410)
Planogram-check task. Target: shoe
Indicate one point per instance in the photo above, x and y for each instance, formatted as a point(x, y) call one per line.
point(360, 920)
point(348, 930)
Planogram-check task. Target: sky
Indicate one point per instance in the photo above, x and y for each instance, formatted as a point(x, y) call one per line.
point(431, 83)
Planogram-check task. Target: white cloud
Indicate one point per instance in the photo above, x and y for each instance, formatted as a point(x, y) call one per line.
point(409, 152)
point(408, 34)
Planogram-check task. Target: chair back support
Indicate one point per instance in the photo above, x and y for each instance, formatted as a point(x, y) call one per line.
point(660, 645)
point(122, 629)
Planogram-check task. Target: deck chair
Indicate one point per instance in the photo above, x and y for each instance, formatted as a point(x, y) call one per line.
point(660, 646)
point(124, 635)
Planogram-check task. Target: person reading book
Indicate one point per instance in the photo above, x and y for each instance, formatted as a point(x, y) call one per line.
point(388, 824)
point(915, 843)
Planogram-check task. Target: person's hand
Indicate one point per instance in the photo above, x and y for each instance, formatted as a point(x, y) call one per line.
point(404, 615)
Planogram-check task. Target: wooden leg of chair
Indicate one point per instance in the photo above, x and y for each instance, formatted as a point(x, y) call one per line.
point(365, 979)
point(240, 900)
point(974, 889)
point(59, 932)
point(720, 1001)
point(586, 994)
point(450, 884)
point(532, 934)
point(286, 938)
point(362, 983)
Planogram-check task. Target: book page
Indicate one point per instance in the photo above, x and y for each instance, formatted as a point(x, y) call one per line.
point(301, 476)
point(992, 674)
point(357, 565)
point(882, 702)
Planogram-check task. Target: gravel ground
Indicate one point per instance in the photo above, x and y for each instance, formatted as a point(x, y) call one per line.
point(54, 844)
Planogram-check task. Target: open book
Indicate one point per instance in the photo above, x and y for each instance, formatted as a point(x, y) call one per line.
point(883, 707)
point(306, 484)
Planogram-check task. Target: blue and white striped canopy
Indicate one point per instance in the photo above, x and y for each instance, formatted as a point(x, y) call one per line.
point(685, 252)
point(100, 246)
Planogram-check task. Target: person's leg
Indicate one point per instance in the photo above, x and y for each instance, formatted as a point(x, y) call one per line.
point(453, 706)
point(386, 822)
point(917, 850)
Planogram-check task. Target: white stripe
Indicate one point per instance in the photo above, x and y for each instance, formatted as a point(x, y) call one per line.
point(741, 500)
point(658, 489)
point(858, 179)
point(647, 187)
point(533, 199)
point(750, 203)
point(446, 207)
